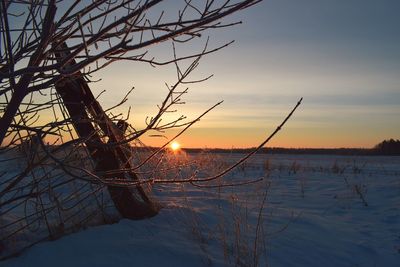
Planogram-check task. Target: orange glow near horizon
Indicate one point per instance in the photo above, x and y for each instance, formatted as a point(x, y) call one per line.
point(289, 137)
point(247, 138)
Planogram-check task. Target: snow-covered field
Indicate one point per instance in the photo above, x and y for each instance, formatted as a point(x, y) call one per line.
point(310, 210)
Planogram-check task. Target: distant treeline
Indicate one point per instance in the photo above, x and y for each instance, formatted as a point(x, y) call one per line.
point(385, 148)
point(388, 147)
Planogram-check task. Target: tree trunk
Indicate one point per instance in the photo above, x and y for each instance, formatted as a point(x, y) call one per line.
point(131, 202)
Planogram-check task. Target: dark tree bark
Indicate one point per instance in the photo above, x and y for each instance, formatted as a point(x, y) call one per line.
point(131, 202)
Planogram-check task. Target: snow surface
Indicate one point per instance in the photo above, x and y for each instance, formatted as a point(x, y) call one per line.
point(319, 211)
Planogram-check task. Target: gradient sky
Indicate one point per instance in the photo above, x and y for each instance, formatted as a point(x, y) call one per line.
point(342, 56)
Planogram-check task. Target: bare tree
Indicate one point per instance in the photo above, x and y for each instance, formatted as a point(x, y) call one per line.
point(97, 33)
point(49, 51)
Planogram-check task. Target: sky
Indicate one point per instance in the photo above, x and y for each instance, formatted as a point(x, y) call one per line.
point(342, 57)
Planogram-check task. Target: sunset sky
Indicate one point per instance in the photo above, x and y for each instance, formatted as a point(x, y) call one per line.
point(342, 56)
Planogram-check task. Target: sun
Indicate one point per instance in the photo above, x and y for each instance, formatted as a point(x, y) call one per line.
point(175, 146)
